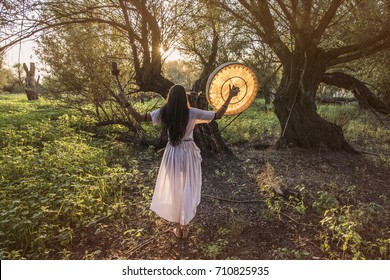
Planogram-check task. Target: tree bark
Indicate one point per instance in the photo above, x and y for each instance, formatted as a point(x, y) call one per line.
point(362, 93)
point(301, 126)
point(31, 83)
point(155, 83)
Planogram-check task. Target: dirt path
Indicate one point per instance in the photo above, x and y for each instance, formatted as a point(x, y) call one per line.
point(239, 218)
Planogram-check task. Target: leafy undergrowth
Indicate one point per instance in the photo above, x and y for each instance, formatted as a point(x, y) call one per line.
point(69, 193)
point(55, 177)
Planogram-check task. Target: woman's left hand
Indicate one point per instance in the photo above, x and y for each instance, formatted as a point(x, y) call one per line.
point(122, 97)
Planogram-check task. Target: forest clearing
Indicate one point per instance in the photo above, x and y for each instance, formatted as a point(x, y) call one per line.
point(195, 130)
point(74, 190)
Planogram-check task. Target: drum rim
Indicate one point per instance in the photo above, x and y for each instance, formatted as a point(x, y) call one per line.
point(216, 70)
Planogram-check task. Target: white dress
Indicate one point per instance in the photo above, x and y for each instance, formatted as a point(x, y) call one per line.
point(178, 187)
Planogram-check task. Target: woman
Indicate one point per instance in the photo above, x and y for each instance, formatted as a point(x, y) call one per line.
point(178, 187)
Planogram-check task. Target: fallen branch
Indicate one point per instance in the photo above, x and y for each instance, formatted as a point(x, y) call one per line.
point(369, 153)
point(99, 220)
point(143, 244)
point(231, 200)
point(295, 221)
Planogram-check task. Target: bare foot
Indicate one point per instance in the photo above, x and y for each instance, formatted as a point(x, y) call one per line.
point(184, 231)
point(177, 231)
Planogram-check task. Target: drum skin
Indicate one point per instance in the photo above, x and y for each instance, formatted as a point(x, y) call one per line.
point(232, 73)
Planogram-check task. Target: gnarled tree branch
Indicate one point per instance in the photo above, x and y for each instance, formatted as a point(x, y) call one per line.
point(358, 88)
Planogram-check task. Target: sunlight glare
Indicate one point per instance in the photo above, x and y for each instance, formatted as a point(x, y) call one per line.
point(162, 51)
point(170, 55)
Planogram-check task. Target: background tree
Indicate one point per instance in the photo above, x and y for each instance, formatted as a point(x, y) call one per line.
point(78, 60)
point(6, 75)
point(309, 38)
point(9, 81)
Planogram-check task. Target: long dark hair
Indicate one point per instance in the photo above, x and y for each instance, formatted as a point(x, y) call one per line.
point(174, 114)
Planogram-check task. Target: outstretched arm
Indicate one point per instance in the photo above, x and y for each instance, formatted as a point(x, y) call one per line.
point(233, 91)
point(137, 116)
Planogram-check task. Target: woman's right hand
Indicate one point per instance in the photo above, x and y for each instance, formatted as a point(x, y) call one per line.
point(233, 91)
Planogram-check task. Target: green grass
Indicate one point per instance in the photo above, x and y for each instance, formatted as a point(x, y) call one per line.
point(254, 124)
point(54, 177)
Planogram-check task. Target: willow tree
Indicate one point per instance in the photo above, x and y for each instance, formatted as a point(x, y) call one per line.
point(143, 26)
point(139, 22)
point(310, 37)
point(78, 59)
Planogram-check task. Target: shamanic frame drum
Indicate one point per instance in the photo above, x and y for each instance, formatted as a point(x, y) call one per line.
point(232, 73)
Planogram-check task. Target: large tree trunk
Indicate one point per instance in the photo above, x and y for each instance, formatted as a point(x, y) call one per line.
point(362, 93)
point(301, 126)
